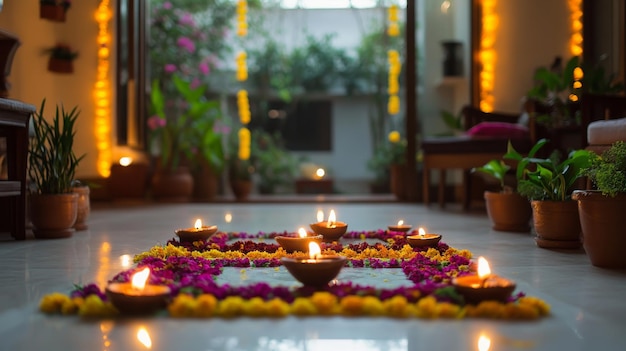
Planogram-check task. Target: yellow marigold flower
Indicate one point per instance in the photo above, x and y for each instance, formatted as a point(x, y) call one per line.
point(93, 306)
point(520, 311)
point(52, 303)
point(182, 306)
point(71, 306)
point(396, 306)
point(427, 307)
point(255, 307)
point(324, 302)
point(206, 305)
point(277, 308)
point(448, 310)
point(372, 306)
point(303, 306)
point(231, 306)
point(352, 305)
point(542, 307)
point(487, 309)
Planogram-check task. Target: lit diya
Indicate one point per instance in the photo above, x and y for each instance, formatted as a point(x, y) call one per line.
point(422, 239)
point(137, 297)
point(400, 227)
point(484, 285)
point(197, 233)
point(318, 270)
point(298, 243)
point(331, 230)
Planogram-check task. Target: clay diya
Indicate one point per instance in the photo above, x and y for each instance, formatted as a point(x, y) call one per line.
point(318, 270)
point(137, 297)
point(400, 227)
point(331, 230)
point(298, 243)
point(422, 239)
point(197, 233)
point(483, 286)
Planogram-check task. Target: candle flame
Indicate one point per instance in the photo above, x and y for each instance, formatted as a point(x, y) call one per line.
point(198, 224)
point(126, 260)
point(144, 337)
point(483, 268)
point(484, 343)
point(332, 219)
point(302, 233)
point(320, 173)
point(320, 216)
point(400, 222)
point(421, 231)
point(126, 161)
point(228, 218)
point(314, 250)
point(139, 279)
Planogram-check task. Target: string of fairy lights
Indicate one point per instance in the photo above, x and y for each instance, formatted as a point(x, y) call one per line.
point(576, 42)
point(243, 104)
point(102, 90)
point(395, 66)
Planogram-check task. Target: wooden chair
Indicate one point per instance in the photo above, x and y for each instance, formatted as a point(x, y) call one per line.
point(466, 152)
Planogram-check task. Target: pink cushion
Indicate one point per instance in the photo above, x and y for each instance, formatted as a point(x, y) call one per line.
point(499, 130)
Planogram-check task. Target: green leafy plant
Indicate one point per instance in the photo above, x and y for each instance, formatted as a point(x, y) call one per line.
point(184, 127)
point(608, 171)
point(498, 170)
point(52, 162)
point(452, 121)
point(61, 52)
point(274, 165)
point(547, 178)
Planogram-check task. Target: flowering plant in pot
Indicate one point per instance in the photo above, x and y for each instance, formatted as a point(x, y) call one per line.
point(548, 183)
point(601, 210)
point(61, 58)
point(507, 209)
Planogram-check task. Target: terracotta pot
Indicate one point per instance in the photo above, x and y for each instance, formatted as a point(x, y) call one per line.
point(60, 66)
point(404, 183)
point(128, 182)
point(172, 185)
point(54, 13)
point(53, 216)
point(84, 207)
point(508, 212)
point(603, 220)
point(205, 184)
point(556, 224)
point(241, 189)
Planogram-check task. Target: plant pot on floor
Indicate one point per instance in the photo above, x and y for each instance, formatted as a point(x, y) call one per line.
point(241, 189)
point(508, 212)
point(603, 220)
point(556, 224)
point(174, 185)
point(53, 215)
point(83, 207)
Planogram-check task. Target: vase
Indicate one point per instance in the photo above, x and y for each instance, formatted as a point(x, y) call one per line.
point(60, 65)
point(83, 207)
point(172, 185)
point(241, 189)
point(51, 12)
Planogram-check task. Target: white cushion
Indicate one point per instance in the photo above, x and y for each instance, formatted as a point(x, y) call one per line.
point(606, 132)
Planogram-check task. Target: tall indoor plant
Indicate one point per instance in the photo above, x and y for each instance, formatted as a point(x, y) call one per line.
point(602, 210)
point(548, 183)
point(507, 209)
point(52, 166)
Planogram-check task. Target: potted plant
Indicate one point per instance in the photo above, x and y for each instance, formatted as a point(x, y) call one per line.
point(54, 10)
point(274, 166)
point(61, 58)
point(508, 210)
point(602, 210)
point(240, 167)
point(548, 183)
point(52, 166)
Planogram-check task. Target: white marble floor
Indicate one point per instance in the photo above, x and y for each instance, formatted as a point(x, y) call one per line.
point(588, 308)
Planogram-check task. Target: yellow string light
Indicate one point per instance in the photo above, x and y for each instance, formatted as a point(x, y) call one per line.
point(576, 42)
point(243, 104)
point(487, 55)
point(102, 96)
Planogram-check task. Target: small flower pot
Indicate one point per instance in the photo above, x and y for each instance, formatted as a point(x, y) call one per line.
point(54, 13)
point(60, 66)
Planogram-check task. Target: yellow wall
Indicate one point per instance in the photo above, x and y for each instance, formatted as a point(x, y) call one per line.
point(30, 80)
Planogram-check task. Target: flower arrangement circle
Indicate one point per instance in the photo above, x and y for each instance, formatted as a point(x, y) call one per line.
point(196, 294)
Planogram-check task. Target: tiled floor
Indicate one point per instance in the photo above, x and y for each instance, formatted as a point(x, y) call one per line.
point(589, 312)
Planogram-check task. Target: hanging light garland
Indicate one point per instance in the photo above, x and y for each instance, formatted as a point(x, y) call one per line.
point(576, 43)
point(102, 91)
point(243, 104)
point(395, 66)
point(487, 55)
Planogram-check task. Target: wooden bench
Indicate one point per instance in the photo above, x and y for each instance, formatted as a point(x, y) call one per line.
point(14, 122)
